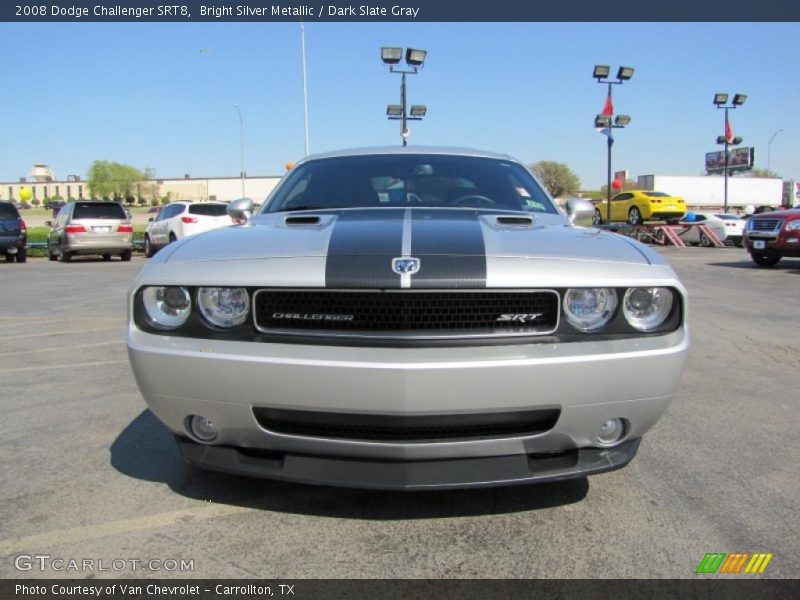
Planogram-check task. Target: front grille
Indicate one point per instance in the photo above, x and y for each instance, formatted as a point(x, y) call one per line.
point(764, 225)
point(410, 429)
point(407, 314)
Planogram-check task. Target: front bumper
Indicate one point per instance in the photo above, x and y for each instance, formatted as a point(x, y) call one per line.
point(785, 244)
point(410, 475)
point(588, 382)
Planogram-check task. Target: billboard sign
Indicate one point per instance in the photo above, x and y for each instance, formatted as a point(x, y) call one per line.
point(740, 159)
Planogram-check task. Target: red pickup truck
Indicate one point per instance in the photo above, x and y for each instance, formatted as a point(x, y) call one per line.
point(769, 237)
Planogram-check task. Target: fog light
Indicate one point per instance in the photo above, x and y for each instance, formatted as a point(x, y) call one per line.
point(611, 432)
point(202, 429)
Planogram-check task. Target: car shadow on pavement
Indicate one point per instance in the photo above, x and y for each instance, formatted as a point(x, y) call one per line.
point(790, 266)
point(146, 450)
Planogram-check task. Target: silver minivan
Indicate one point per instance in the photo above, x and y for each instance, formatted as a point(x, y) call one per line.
point(90, 227)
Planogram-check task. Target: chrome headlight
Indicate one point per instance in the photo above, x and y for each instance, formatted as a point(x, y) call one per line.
point(793, 225)
point(167, 307)
point(589, 309)
point(647, 308)
point(223, 306)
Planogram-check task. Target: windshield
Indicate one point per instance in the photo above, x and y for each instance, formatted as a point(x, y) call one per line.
point(410, 181)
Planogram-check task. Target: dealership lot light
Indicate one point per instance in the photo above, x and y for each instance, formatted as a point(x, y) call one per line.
point(727, 140)
point(625, 73)
point(415, 59)
point(391, 56)
point(606, 119)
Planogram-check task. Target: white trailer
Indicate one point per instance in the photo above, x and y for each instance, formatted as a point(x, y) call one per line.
point(709, 191)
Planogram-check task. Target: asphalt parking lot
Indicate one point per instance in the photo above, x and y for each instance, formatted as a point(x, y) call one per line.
point(88, 473)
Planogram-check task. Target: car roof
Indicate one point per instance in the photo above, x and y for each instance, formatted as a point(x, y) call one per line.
point(409, 150)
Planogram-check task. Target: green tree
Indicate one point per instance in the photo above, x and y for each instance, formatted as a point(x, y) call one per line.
point(107, 179)
point(557, 177)
point(764, 173)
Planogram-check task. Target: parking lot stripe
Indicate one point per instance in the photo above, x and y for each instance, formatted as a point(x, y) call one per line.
point(56, 348)
point(97, 363)
point(27, 322)
point(49, 333)
point(56, 537)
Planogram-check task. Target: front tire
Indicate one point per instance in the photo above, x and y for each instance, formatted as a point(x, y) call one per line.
point(598, 218)
point(762, 260)
point(634, 216)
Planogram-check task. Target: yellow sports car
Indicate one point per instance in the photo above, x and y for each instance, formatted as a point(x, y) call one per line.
point(637, 206)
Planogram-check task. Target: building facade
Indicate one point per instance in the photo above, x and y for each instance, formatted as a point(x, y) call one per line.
point(41, 183)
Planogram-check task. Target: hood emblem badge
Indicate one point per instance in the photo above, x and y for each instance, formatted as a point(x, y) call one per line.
point(405, 265)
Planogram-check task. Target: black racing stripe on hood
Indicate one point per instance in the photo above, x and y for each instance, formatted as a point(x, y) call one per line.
point(362, 246)
point(451, 249)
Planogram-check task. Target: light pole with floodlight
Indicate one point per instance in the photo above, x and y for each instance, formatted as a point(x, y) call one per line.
point(606, 119)
point(727, 140)
point(414, 59)
point(769, 148)
point(241, 144)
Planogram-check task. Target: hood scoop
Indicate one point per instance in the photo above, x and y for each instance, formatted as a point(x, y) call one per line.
point(515, 221)
point(302, 220)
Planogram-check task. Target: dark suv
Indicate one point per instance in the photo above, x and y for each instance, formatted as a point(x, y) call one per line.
point(773, 235)
point(13, 233)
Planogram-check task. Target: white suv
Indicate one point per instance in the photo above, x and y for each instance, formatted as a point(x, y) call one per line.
point(181, 219)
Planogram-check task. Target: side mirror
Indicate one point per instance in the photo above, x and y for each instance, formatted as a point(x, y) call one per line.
point(241, 210)
point(48, 223)
point(580, 212)
point(151, 219)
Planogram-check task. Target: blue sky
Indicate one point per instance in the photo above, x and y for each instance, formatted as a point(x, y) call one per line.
point(146, 95)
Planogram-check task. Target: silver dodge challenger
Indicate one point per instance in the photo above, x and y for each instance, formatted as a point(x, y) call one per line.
point(408, 318)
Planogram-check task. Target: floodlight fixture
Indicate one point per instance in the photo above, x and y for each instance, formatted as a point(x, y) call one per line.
point(418, 110)
point(602, 121)
point(415, 57)
point(625, 73)
point(394, 110)
point(391, 56)
point(721, 139)
point(739, 99)
point(737, 140)
point(720, 99)
point(601, 71)
point(622, 120)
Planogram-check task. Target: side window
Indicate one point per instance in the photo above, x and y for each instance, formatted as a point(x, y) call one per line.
point(699, 218)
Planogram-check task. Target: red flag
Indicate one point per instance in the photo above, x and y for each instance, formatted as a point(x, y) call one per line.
point(728, 131)
point(608, 109)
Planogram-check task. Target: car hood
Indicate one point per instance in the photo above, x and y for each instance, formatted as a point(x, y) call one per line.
point(414, 232)
point(454, 248)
